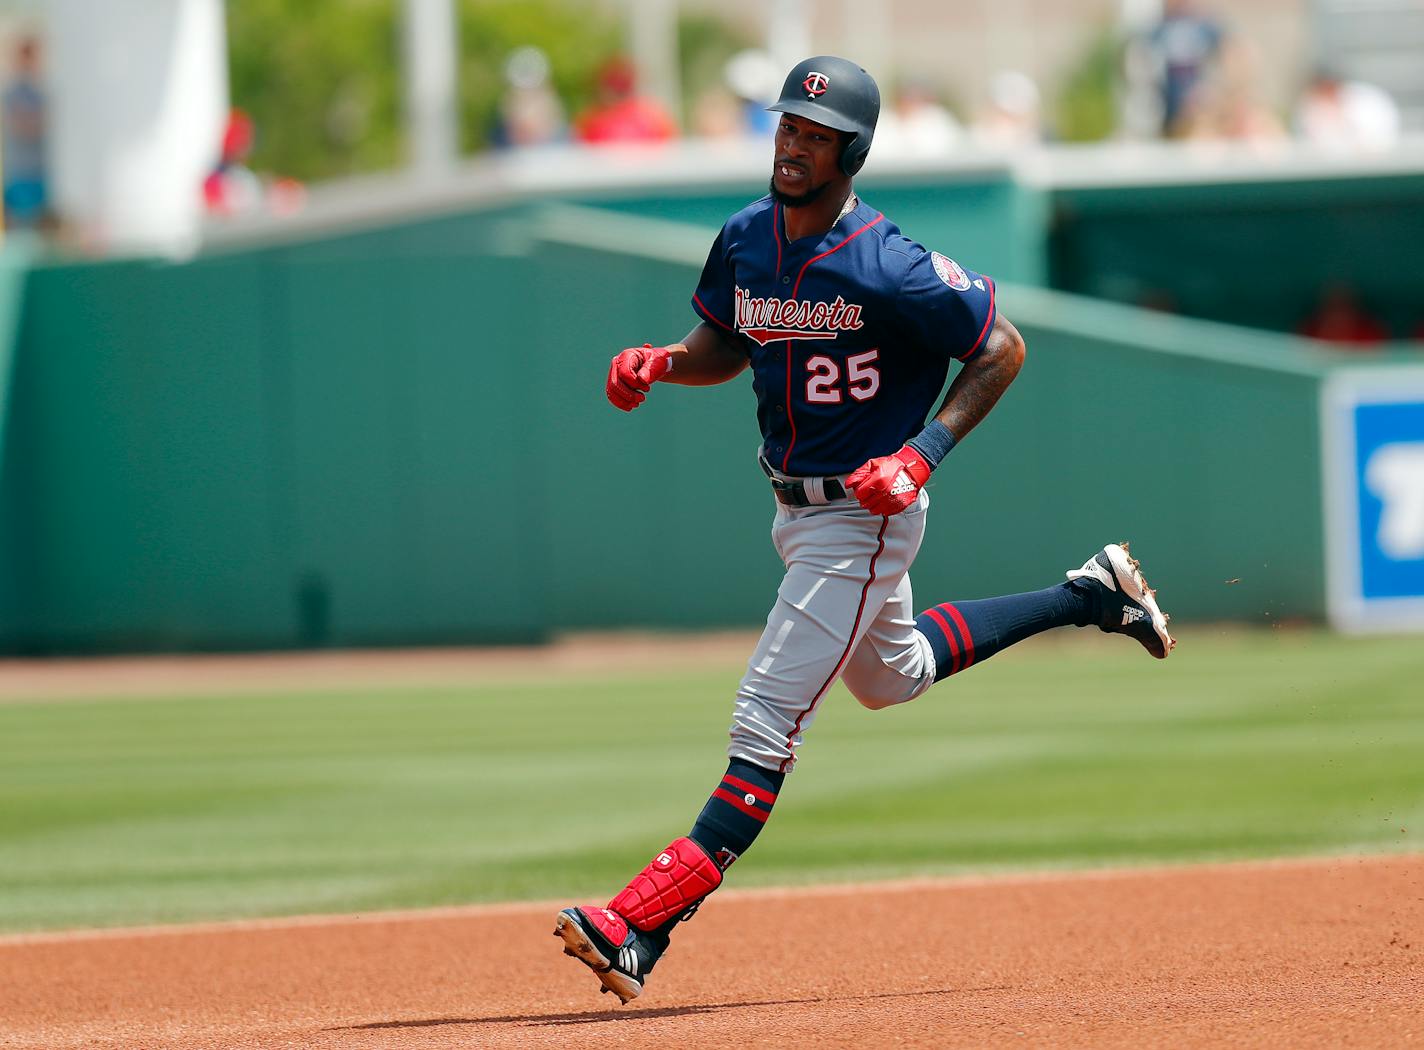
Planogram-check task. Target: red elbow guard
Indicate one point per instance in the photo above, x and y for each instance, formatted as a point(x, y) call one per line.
point(677, 878)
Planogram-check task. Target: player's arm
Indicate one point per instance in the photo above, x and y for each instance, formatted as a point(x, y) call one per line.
point(983, 380)
point(707, 356)
point(889, 484)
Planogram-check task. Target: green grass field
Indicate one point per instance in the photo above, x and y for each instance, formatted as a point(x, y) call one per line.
point(1067, 752)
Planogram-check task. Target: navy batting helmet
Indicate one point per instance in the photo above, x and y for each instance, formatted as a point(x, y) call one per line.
point(839, 94)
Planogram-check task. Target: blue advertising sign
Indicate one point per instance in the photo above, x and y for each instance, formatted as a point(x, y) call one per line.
point(1373, 434)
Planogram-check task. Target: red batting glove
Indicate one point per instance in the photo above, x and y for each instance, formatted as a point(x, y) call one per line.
point(888, 484)
point(633, 372)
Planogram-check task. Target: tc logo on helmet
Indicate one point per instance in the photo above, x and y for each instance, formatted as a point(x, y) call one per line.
point(815, 84)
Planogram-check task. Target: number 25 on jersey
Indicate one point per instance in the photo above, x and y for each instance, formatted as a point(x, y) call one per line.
point(862, 380)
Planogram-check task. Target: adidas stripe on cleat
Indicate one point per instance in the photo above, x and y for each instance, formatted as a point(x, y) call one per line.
point(589, 935)
point(1128, 605)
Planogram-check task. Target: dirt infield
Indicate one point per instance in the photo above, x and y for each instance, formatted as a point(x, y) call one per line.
point(1290, 954)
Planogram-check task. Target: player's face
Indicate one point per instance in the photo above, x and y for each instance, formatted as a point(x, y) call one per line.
point(807, 160)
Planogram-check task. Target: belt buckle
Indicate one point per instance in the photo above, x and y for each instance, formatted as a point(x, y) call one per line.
point(791, 493)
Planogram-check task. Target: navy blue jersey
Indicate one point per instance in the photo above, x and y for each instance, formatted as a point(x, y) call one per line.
point(850, 333)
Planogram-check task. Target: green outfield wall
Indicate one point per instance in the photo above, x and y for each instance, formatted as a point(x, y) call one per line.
point(399, 436)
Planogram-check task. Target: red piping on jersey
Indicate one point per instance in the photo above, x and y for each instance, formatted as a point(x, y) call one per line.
point(741, 785)
point(958, 618)
point(709, 314)
point(832, 251)
point(795, 293)
point(736, 800)
point(776, 235)
point(987, 321)
point(790, 416)
point(850, 643)
point(938, 618)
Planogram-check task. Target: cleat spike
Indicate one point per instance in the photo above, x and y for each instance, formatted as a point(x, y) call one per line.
point(1137, 614)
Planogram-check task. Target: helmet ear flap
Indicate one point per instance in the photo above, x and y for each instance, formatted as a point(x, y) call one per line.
point(854, 152)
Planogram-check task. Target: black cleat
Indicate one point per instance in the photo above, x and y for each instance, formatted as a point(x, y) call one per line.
point(1128, 605)
point(604, 942)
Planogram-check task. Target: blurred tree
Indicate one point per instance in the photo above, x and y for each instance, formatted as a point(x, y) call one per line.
point(320, 80)
point(704, 44)
point(576, 40)
point(1087, 108)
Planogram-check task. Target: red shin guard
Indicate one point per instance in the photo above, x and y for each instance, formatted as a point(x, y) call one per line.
point(677, 878)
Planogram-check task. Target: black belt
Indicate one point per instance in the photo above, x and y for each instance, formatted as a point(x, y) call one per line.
point(793, 493)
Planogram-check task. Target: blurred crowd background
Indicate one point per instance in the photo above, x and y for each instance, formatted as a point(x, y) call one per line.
point(313, 91)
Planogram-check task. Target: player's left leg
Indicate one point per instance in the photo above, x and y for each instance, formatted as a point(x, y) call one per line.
point(624, 941)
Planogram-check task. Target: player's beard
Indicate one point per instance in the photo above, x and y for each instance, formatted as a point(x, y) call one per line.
point(795, 200)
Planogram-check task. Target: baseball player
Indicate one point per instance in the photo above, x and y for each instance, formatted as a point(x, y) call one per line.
point(849, 328)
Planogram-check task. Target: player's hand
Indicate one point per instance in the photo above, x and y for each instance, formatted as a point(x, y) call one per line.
point(888, 484)
point(633, 372)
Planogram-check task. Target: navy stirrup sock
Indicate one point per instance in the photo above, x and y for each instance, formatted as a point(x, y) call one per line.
point(965, 633)
point(734, 815)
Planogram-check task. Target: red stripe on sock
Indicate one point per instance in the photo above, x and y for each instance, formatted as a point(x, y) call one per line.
point(963, 632)
point(938, 617)
point(741, 803)
point(762, 794)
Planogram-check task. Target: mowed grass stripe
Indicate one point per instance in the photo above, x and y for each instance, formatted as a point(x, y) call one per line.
point(1069, 752)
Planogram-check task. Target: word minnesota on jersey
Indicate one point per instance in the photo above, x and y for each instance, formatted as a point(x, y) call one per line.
point(767, 320)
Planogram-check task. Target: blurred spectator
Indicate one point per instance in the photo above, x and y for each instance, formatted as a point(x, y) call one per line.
point(621, 115)
point(1184, 45)
point(1341, 318)
point(231, 188)
point(1346, 114)
point(1012, 116)
point(716, 114)
point(530, 113)
point(1226, 106)
point(918, 125)
point(22, 117)
point(755, 79)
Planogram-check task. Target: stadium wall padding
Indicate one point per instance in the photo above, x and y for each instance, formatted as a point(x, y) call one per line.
point(400, 436)
point(14, 262)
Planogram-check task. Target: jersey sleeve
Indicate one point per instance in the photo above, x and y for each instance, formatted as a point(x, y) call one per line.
point(715, 297)
point(948, 309)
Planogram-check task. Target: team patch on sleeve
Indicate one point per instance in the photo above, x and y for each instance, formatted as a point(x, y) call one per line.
point(950, 272)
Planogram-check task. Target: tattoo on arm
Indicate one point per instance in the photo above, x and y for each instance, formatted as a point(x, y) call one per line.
point(983, 380)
